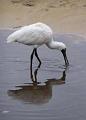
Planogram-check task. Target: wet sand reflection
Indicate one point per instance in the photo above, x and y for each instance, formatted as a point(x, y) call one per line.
point(36, 92)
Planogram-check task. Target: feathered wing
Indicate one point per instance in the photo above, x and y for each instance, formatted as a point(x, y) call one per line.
point(35, 34)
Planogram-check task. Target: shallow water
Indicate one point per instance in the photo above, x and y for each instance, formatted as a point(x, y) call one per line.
point(58, 94)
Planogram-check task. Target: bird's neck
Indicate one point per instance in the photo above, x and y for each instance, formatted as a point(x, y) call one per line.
point(55, 45)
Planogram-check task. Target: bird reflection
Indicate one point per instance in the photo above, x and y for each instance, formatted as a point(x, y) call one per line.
point(36, 92)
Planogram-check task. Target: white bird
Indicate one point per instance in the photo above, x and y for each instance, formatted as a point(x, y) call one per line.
point(36, 35)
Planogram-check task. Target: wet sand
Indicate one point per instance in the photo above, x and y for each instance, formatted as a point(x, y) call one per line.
point(57, 94)
point(64, 16)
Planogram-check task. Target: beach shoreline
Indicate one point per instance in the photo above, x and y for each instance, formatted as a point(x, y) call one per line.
point(62, 16)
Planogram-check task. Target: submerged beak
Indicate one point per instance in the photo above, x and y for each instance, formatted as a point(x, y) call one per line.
point(65, 57)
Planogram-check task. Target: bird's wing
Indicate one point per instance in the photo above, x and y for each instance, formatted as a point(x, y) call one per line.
point(32, 36)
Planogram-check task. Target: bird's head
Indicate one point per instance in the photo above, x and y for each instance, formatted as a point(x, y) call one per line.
point(59, 46)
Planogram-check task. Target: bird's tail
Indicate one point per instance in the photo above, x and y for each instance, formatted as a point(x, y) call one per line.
point(11, 38)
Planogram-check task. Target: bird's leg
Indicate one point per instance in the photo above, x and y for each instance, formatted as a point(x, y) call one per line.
point(37, 56)
point(63, 76)
point(31, 61)
point(35, 73)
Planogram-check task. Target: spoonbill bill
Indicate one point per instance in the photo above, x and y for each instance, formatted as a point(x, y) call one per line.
point(36, 35)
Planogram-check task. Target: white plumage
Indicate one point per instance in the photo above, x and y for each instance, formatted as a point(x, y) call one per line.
point(37, 34)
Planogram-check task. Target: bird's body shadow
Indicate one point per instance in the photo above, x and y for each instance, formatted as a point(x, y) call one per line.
point(36, 92)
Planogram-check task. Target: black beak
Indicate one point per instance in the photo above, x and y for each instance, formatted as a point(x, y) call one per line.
point(65, 57)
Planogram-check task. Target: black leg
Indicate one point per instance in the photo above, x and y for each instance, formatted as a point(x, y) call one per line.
point(31, 61)
point(63, 76)
point(34, 75)
point(37, 56)
point(35, 72)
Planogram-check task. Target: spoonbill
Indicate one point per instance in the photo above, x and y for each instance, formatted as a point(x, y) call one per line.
point(36, 35)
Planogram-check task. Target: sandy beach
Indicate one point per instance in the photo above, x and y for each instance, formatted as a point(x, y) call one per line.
point(64, 16)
